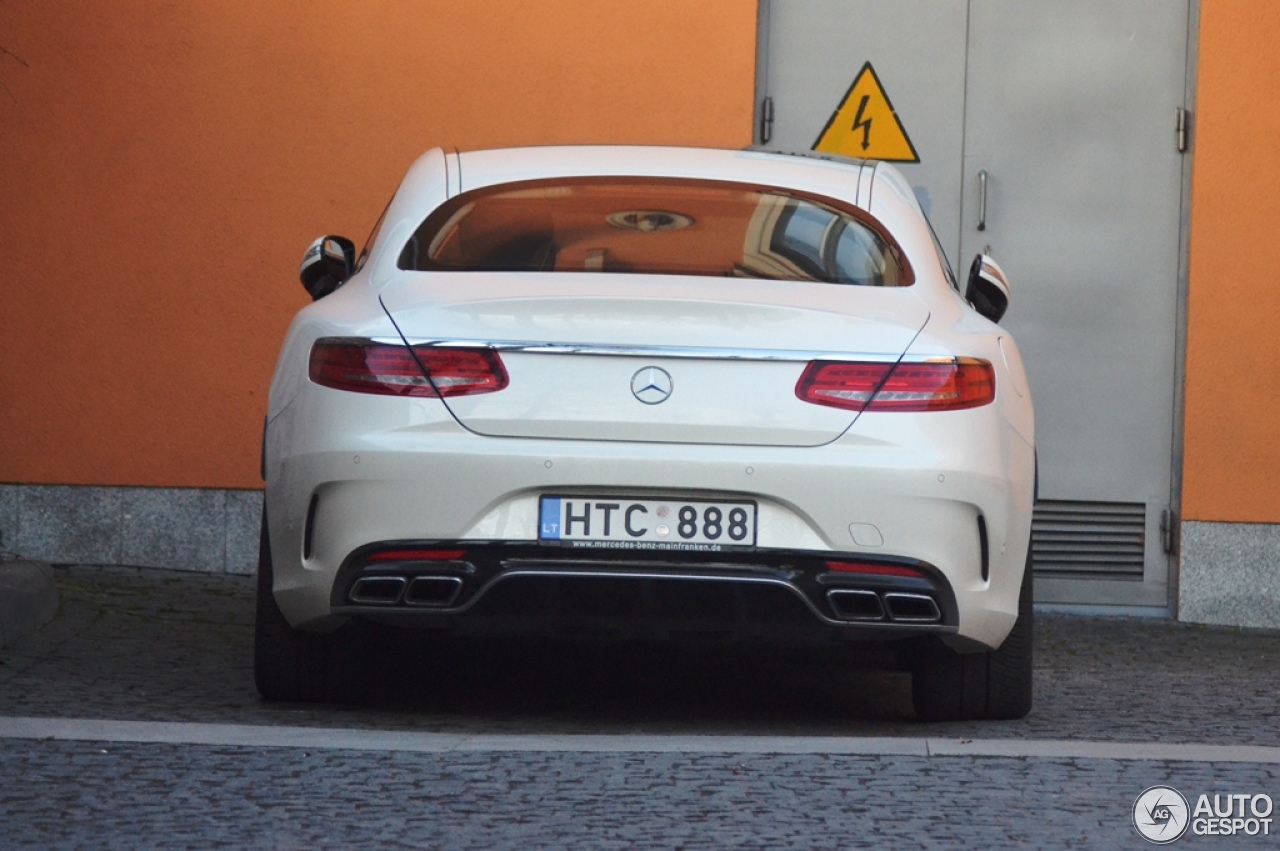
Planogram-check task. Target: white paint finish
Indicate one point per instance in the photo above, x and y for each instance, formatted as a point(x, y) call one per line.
point(393, 493)
point(389, 469)
point(744, 400)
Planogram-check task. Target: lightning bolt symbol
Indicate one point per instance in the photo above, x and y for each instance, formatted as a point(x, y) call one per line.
point(863, 124)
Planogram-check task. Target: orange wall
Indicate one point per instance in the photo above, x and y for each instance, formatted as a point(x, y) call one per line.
point(163, 165)
point(1231, 466)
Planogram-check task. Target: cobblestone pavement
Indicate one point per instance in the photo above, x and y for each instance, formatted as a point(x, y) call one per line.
point(162, 646)
point(82, 794)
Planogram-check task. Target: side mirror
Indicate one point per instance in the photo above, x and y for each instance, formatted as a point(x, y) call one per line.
point(326, 265)
point(988, 288)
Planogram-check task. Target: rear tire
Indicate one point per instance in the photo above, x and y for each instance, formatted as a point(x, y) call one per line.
point(995, 685)
point(291, 665)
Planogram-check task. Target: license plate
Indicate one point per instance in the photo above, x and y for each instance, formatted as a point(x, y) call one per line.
point(662, 524)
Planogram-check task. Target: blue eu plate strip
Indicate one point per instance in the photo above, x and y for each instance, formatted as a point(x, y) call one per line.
point(549, 519)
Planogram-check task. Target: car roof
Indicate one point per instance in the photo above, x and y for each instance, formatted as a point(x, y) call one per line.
point(839, 177)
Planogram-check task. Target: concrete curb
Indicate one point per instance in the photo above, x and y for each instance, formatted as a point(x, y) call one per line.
point(28, 599)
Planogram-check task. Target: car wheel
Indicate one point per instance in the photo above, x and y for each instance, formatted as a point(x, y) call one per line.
point(951, 686)
point(292, 665)
point(288, 664)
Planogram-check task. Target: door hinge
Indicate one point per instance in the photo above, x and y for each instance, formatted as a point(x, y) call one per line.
point(1181, 126)
point(1169, 531)
point(766, 120)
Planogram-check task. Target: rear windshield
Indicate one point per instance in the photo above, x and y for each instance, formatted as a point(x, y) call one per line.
point(656, 226)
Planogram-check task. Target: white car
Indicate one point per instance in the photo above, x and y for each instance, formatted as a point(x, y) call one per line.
point(653, 392)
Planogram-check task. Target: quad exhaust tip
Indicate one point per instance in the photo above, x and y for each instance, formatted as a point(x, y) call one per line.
point(378, 590)
point(427, 591)
point(911, 608)
point(438, 591)
point(856, 604)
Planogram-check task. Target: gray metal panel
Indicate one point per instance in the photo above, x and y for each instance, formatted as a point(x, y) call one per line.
point(815, 48)
point(1069, 107)
point(1071, 110)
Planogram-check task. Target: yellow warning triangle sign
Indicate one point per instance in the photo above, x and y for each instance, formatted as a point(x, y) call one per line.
point(864, 125)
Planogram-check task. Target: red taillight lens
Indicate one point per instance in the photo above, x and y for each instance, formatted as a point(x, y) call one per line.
point(364, 366)
point(874, 569)
point(416, 555)
point(948, 385)
point(841, 385)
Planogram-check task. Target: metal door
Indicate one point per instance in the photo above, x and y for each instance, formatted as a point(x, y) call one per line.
point(810, 52)
point(1066, 111)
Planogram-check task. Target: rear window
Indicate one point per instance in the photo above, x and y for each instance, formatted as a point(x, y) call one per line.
point(656, 226)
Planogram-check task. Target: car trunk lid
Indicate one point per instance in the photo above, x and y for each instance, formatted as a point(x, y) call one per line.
point(685, 360)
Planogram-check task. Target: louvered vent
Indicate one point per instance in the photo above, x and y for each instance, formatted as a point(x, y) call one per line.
point(1089, 540)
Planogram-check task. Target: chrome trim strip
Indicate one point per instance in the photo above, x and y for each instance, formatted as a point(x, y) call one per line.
point(639, 351)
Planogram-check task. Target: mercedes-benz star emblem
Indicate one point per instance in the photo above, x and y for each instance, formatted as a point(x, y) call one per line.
point(652, 385)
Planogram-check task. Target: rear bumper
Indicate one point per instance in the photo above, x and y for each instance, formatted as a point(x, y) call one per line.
point(922, 495)
point(496, 587)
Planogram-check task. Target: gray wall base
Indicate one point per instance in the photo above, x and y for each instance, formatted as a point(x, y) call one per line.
point(204, 530)
point(1230, 574)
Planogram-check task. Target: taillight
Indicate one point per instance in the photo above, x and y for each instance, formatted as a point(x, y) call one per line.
point(941, 385)
point(364, 366)
point(874, 569)
point(416, 555)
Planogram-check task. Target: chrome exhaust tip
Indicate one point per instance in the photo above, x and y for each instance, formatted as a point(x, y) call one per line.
point(855, 605)
point(378, 590)
point(912, 608)
point(438, 591)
